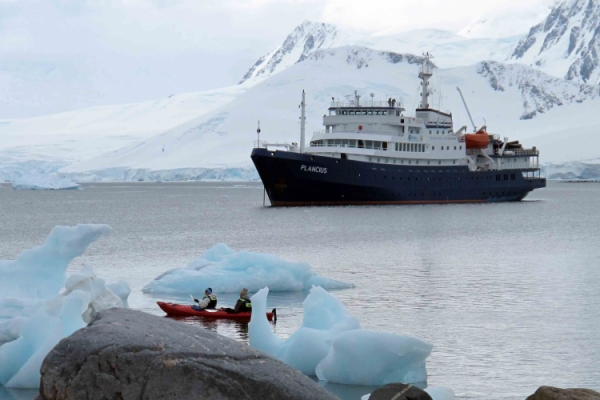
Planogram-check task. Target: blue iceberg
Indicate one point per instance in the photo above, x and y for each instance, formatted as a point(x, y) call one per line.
point(332, 345)
point(228, 271)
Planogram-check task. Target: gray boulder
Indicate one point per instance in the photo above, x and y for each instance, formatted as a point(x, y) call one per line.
point(126, 354)
point(552, 393)
point(399, 391)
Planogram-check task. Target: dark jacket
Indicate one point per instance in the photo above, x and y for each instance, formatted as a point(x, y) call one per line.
point(243, 305)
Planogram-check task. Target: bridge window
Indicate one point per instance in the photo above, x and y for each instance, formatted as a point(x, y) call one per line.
point(369, 144)
point(351, 112)
point(361, 144)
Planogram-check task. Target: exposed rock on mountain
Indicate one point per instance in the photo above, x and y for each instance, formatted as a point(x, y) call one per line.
point(305, 38)
point(566, 43)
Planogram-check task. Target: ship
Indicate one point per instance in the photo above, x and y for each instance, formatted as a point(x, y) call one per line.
point(371, 153)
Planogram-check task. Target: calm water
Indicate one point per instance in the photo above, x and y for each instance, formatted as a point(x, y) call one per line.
point(508, 294)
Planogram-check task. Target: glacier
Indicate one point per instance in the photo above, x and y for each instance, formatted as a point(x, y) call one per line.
point(332, 345)
point(40, 305)
point(44, 182)
point(228, 271)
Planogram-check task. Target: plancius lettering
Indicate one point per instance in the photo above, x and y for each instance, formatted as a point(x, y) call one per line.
point(309, 168)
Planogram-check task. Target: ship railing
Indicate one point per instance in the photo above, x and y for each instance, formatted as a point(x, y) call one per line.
point(366, 103)
point(260, 143)
point(526, 152)
point(321, 132)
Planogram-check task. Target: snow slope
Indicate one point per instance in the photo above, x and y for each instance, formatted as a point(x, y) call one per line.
point(566, 43)
point(512, 98)
point(449, 49)
point(44, 144)
point(508, 20)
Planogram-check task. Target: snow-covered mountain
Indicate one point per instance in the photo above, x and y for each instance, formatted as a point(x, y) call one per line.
point(449, 49)
point(44, 144)
point(512, 98)
point(566, 43)
point(506, 21)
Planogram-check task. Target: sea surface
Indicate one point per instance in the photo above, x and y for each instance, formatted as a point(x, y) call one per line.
point(508, 294)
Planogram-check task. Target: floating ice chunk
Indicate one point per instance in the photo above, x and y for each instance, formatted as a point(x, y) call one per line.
point(261, 336)
point(363, 357)
point(227, 271)
point(20, 360)
point(35, 317)
point(324, 318)
point(40, 273)
point(102, 298)
point(331, 344)
point(440, 393)
point(44, 182)
point(121, 289)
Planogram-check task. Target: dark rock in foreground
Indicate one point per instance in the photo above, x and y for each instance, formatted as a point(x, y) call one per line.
point(126, 354)
point(399, 391)
point(552, 393)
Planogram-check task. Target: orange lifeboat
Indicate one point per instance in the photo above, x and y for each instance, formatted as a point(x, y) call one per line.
point(478, 140)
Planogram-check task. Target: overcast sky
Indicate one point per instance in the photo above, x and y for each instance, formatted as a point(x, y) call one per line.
point(214, 40)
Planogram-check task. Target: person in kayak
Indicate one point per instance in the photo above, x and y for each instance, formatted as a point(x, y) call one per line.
point(209, 301)
point(244, 304)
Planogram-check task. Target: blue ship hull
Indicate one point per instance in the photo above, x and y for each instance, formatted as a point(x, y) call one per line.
point(293, 179)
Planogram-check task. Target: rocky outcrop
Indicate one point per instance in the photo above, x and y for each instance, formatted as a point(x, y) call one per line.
point(399, 391)
point(552, 393)
point(126, 354)
point(567, 43)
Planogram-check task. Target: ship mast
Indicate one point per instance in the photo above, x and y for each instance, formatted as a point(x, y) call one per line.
point(302, 122)
point(425, 72)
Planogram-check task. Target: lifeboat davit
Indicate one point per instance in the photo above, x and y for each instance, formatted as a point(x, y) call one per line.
point(477, 140)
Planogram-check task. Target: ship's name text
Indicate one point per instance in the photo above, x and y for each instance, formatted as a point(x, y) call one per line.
point(319, 170)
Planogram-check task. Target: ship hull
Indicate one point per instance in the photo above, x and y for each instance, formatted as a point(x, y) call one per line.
point(293, 179)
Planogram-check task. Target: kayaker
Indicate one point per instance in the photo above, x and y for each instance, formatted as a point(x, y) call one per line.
point(244, 304)
point(209, 301)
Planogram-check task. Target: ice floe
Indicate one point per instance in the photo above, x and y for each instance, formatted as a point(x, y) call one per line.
point(44, 182)
point(228, 271)
point(332, 345)
point(40, 305)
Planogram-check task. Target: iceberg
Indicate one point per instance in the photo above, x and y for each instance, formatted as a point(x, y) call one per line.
point(363, 357)
point(440, 393)
point(228, 271)
point(324, 318)
point(332, 345)
point(41, 305)
point(44, 182)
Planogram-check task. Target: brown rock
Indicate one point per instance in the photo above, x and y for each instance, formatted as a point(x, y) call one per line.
point(552, 393)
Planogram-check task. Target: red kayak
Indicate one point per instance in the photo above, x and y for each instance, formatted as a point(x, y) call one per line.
point(182, 310)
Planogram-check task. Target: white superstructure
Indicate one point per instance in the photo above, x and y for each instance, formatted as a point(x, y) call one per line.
point(380, 132)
